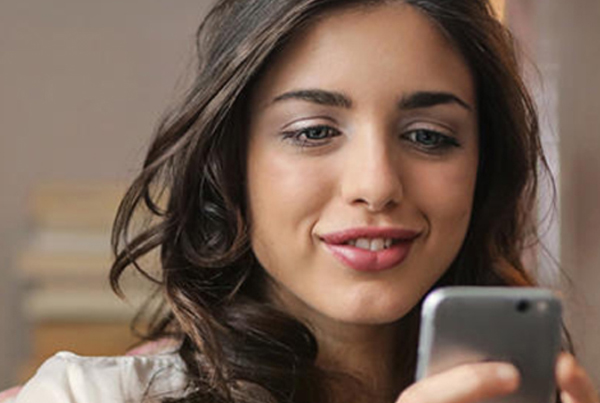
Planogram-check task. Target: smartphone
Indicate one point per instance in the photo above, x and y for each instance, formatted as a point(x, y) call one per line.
point(520, 325)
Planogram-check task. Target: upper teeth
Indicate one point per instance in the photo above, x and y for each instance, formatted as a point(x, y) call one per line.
point(373, 244)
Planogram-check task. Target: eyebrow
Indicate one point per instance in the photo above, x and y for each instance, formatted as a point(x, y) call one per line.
point(426, 99)
point(414, 100)
point(321, 97)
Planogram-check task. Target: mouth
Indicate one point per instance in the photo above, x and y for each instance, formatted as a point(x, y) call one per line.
point(372, 244)
point(370, 249)
point(373, 238)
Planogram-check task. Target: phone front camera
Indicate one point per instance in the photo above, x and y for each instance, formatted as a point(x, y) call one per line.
point(523, 306)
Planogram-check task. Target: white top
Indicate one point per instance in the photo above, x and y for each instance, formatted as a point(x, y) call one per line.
point(68, 378)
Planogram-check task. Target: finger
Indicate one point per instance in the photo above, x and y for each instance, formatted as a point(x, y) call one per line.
point(464, 384)
point(574, 383)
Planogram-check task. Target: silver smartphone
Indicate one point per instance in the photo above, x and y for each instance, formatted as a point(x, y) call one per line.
point(520, 325)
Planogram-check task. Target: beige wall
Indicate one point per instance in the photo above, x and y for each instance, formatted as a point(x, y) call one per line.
point(563, 39)
point(575, 26)
point(81, 86)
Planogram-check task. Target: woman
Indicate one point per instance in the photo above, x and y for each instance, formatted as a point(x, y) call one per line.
point(334, 162)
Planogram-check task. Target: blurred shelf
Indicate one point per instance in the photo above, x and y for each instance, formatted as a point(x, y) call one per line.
point(83, 338)
point(64, 265)
point(39, 265)
point(75, 205)
point(83, 305)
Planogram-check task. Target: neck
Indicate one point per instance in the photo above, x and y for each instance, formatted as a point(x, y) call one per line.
point(368, 353)
point(378, 356)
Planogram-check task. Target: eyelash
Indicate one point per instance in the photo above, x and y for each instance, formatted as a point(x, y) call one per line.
point(441, 141)
point(296, 136)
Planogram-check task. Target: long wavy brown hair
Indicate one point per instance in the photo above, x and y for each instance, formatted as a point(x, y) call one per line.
point(237, 347)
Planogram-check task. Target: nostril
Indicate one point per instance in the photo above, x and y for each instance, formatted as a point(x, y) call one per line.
point(374, 205)
point(373, 188)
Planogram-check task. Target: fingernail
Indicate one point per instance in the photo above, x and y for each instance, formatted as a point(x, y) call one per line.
point(507, 372)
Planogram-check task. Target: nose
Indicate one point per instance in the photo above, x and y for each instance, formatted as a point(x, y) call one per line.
point(372, 178)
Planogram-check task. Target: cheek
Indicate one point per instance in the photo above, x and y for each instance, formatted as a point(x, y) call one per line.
point(286, 194)
point(444, 194)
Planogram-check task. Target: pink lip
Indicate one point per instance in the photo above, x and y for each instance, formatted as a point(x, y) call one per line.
point(366, 260)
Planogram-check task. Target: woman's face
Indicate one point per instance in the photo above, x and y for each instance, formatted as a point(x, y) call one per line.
point(362, 164)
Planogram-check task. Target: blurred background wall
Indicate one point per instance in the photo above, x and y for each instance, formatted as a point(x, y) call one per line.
point(575, 33)
point(563, 40)
point(82, 84)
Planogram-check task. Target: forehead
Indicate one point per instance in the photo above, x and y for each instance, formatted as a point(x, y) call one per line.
point(364, 50)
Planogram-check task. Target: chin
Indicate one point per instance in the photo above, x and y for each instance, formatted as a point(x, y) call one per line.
point(379, 312)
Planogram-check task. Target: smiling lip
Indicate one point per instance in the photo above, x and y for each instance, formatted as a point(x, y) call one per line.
point(366, 260)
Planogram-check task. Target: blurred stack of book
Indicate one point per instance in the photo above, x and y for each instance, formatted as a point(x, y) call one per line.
point(65, 264)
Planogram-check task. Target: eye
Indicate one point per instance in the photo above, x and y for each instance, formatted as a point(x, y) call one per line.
point(311, 136)
point(430, 140)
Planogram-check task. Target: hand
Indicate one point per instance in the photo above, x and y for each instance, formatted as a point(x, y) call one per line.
point(476, 382)
point(574, 383)
point(468, 383)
